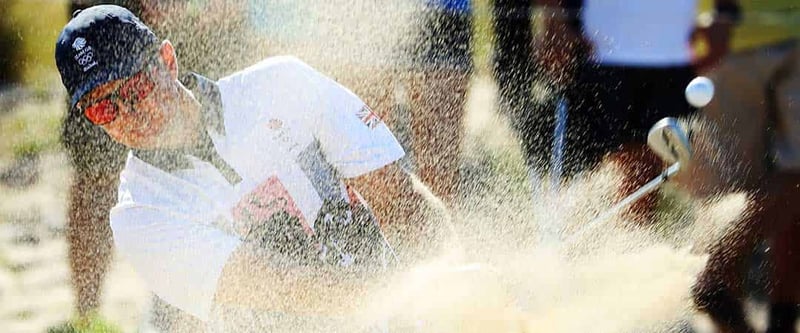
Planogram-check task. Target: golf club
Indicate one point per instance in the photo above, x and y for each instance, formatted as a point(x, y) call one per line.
point(559, 137)
point(668, 139)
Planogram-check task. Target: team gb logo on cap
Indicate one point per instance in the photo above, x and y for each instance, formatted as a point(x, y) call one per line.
point(79, 43)
point(84, 54)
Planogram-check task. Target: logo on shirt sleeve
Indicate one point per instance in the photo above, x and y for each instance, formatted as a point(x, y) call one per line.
point(368, 117)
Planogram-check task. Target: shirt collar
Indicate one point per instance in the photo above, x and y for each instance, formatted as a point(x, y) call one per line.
point(206, 91)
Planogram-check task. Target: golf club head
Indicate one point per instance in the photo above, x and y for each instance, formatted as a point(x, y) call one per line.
point(668, 139)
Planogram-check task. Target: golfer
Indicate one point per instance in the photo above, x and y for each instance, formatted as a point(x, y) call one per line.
point(239, 201)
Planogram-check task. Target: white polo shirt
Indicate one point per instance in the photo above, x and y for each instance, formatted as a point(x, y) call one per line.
point(640, 32)
point(291, 133)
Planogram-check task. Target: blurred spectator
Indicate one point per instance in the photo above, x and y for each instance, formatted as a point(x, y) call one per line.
point(755, 108)
point(441, 64)
point(532, 69)
point(512, 66)
point(640, 64)
point(756, 87)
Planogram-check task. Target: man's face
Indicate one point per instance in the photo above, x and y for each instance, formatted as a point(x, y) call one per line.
point(139, 111)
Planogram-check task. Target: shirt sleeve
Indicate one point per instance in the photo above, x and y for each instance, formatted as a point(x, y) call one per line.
point(352, 137)
point(179, 259)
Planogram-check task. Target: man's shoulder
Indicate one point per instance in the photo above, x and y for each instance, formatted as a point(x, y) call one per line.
point(273, 67)
point(280, 85)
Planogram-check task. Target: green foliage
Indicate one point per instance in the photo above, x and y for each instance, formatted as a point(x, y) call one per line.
point(482, 32)
point(36, 24)
point(28, 32)
point(33, 127)
point(9, 44)
point(91, 324)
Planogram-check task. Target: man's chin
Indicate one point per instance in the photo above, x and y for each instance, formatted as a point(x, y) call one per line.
point(146, 139)
point(161, 136)
point(142, 146)
point(164, 140)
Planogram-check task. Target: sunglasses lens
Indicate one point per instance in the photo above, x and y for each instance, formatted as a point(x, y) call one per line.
point(102, 112)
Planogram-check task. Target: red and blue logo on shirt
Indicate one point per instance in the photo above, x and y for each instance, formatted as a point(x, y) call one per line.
point(368, 117)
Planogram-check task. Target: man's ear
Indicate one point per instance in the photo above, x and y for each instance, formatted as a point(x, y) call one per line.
point(169, 58)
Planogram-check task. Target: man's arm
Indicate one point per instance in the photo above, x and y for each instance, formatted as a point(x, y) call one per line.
point(412, 217)
point(192, 265)
point(561, 45)
point(362, 149)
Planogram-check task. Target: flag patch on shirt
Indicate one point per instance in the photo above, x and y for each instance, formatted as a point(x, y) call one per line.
point(368, 117)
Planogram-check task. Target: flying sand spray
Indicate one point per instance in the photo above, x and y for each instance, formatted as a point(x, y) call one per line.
point(669, 139)
point(544, 288)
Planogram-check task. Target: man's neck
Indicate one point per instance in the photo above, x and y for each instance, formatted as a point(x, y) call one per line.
point(206, 97)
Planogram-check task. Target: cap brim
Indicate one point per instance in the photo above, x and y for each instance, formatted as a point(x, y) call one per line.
point(99, 78)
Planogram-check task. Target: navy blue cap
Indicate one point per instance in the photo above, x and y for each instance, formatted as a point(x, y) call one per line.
point(101, 44)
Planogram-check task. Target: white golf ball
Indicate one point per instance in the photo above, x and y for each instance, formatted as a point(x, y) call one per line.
point(700, 91)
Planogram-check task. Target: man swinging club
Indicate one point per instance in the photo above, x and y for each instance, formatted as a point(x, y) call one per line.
point(240, 196)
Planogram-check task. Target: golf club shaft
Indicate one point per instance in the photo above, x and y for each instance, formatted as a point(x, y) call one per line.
point(642, 191)
point(559, 134)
